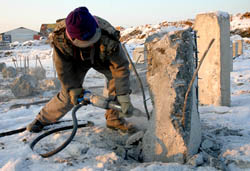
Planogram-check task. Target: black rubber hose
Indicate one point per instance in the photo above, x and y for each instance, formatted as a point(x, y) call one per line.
point(75, 126)
point(16, 131)
point(138, 78)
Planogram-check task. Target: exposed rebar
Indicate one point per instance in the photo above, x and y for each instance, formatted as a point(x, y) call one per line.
point(192, 81)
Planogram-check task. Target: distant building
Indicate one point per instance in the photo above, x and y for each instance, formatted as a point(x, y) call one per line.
point(20, 34)
point(5, 38)
point(4, 41)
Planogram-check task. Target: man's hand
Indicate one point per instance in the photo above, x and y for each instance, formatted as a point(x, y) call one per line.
point(127, 107)
point(74, 94)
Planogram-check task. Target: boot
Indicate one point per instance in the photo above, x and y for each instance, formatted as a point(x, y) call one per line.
point(114, 122)
point(35, 126)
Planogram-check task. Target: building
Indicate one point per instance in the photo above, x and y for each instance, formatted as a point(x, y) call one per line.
point(20, 34)
point(4, 41)
point(5, 38)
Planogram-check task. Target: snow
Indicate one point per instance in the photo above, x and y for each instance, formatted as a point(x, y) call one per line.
point(238, 23)
point(93, 147)
point(235, 38)
point(127, 31)
point(139, 34)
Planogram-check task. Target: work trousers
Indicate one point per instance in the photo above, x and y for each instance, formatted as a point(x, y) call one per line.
point(60, 104)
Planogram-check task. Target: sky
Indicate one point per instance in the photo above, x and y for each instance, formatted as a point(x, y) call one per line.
point(32, 13)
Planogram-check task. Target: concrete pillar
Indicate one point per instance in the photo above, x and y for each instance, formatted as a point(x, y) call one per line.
point(170, 68)
point(235, 49)
point(214, 85)
point(231, 56)
point(240, 47)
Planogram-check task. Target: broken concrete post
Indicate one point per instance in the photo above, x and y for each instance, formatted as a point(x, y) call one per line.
point(50, 84)
point(38, 72)
point(138, 55)
point(170, 70)
point(24, 86)
point(231, 55)
point(235, 49)
point(214, 74)
point(9, 72)
point(240, 47)
point(2, 66)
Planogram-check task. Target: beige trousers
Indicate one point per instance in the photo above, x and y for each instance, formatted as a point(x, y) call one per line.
point(60, 104)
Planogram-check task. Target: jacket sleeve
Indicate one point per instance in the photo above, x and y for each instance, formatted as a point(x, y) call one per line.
point(120, 71)
point(67, 70)
point(119, 63)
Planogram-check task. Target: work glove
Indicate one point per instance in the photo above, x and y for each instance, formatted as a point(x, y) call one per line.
point(74, 94)
point(127, 107)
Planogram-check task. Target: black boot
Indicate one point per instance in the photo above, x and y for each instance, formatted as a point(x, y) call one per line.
point(35, 126)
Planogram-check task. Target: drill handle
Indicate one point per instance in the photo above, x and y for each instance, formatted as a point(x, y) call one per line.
point(98, 101)
point(112, 105)
point(104, 103)
point(85, 99)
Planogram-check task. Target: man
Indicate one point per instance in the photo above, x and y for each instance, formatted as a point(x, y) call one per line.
point(80, 42)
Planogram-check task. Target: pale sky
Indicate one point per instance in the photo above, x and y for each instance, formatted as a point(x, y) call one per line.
point(32, 13)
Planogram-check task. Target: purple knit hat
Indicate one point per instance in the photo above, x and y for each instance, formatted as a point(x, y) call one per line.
point(82, 27)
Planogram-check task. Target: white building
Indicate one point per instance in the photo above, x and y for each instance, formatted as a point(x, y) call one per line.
point(21, 34)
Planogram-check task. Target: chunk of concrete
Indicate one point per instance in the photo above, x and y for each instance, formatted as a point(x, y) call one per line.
point(9, 72)
point(135, 138)
point(207, 144)
point(231, 56)
point(2, 66)
point(138, 55)
point(170, 136)
point(240, 47)
point(24, 86)
point(237, 45)
point(50, 84)
point(235, 49)
point(214, 74)
point(38, 72)
point(196, 160)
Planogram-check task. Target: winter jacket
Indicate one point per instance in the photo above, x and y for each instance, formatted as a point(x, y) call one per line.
point(69, 59)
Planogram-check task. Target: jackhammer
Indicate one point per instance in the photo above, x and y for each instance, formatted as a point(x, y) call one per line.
point(95, 100)
point(87, 98)
point(98, 101)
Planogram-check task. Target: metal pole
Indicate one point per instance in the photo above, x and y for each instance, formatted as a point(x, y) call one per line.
point(13, 60)
point(24, 60)
point(196, 65)
point(28, 62)
point(40, 62)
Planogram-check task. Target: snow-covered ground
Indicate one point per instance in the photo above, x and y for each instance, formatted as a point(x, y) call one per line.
point(238, 23)
point(99, 148)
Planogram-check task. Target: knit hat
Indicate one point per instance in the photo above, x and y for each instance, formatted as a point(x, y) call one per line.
point(82, 28)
